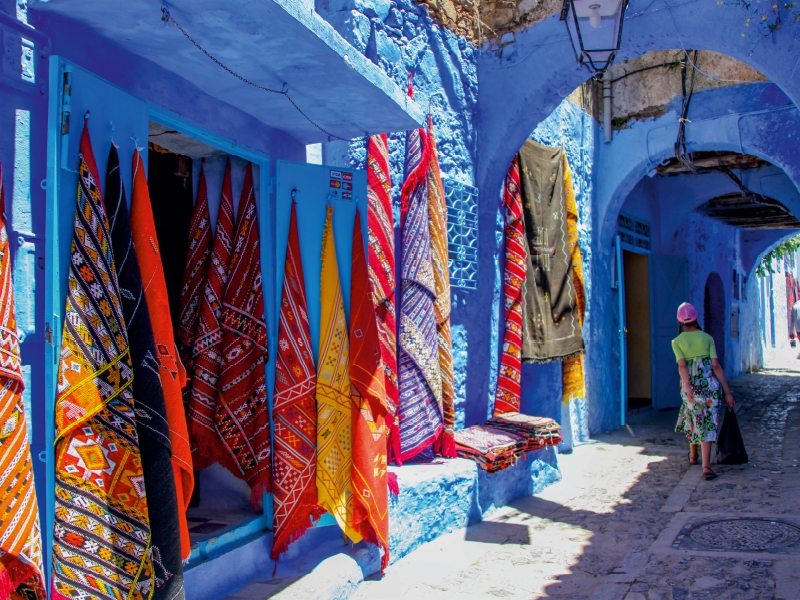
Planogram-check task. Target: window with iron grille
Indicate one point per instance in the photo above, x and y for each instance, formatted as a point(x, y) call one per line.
point(462, 233)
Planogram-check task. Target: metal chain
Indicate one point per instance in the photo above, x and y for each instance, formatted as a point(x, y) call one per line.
point(167, 18)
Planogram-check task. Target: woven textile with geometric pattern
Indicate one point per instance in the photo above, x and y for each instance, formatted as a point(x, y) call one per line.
point(242, 412)
point(334, 415)
point(380, 252)
point(101, 539)
point(573, 375)
point(194, 277)
point(294, 411)
point(507, 397)
point(21, 574)
point(173, 375)
point(420, 412)
point(370, 475)
point(437, 216)
point(152, 425)
point(206, 445)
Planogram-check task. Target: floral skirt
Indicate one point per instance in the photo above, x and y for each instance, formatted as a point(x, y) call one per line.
point(699, 420)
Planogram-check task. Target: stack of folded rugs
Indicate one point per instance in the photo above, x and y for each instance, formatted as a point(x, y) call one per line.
point(504, 439)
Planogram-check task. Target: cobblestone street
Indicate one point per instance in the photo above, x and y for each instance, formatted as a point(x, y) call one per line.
point(631, 520)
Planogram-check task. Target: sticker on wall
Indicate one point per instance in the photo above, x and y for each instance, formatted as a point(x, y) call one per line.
point(336, 184)
point(336, 174)
point(347, 177)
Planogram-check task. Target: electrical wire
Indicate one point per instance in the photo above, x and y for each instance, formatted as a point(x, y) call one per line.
point(168, 18)
point(680, 143)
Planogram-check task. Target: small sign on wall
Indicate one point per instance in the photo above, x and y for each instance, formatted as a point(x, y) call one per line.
point(735, 322)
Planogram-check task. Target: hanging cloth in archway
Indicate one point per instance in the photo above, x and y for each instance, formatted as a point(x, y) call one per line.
point(152, 426)
point(171, 371)
point(370, 474)
point(21, 573)
point(294, 411)
point(242, 412)
point(507, 398)
point(206, 445)
point(420, 410)
point(551, 327)
point(380, 225)
point(437, 223)
point(194, 277)
point(573, 375)
point(101, 539)
point(334, 415)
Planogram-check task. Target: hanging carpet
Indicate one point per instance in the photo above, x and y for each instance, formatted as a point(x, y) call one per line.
point(242, 412)
point(101, 538)
point(207, 447)
point(551, 324)
point(573, 375)
point(171, 371)
point(21, 573)
point(152, 426)
point(420, 409)
point(437, 217)
point(334, 416)
point(507, 397)
point(368, 389)
point(170, 177)
point(195, 276)
point(294, 411)
point(381, 256)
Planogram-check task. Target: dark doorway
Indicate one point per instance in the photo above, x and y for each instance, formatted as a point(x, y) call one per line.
point(637, 322)
point(714, 313)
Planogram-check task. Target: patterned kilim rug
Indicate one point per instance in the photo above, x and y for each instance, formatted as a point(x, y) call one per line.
point(171, 371)
point(21, 574)
point(573, 376)
point(437, 218)
point(493, 449)
point(370, 474)
point(551, 325)
point(242, 414)
point(507, 397)
point(420, 412)
point(334, 415)
point(194, 277)
point(206, 445)
point(380, 252)
point(151, 413)
point(294, 411)
point(538, 432)
point(101, 539)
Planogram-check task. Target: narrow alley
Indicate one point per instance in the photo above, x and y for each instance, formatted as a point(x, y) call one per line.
point(631, 520)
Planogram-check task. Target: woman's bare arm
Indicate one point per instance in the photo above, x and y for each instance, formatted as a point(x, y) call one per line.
point(683, 369)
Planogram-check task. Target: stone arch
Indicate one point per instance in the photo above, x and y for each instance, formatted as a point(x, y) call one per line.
point(714, 311)
point(523, 86)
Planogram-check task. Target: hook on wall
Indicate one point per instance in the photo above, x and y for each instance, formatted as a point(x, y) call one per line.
point(111, 129)
point(86, 115)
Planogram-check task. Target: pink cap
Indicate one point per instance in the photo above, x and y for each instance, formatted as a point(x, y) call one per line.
point(687, 313)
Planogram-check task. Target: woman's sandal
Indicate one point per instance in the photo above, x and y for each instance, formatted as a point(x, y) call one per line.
point(710, 475)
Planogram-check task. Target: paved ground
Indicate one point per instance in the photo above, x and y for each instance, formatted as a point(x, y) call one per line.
point(632, 521)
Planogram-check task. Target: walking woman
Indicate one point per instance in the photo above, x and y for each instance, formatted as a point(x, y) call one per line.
point(701, 379)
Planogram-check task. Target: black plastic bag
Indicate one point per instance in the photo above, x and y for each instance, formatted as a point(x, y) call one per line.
point(730, 445)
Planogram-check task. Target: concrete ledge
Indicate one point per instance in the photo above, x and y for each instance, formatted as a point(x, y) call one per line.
point(433, 500)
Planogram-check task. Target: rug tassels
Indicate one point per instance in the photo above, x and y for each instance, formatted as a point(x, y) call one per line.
point(258, 492)
point(394, 484)
point(446, 445)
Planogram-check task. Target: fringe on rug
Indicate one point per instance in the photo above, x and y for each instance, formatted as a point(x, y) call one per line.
point(394, 484)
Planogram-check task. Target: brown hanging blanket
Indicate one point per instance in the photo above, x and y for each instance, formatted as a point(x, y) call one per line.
point(551, 328)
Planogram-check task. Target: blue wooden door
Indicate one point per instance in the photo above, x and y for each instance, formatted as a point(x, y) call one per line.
point(113, 114)
point(668, 277)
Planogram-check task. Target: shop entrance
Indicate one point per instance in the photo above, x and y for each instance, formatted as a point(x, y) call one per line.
point(636, 268)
